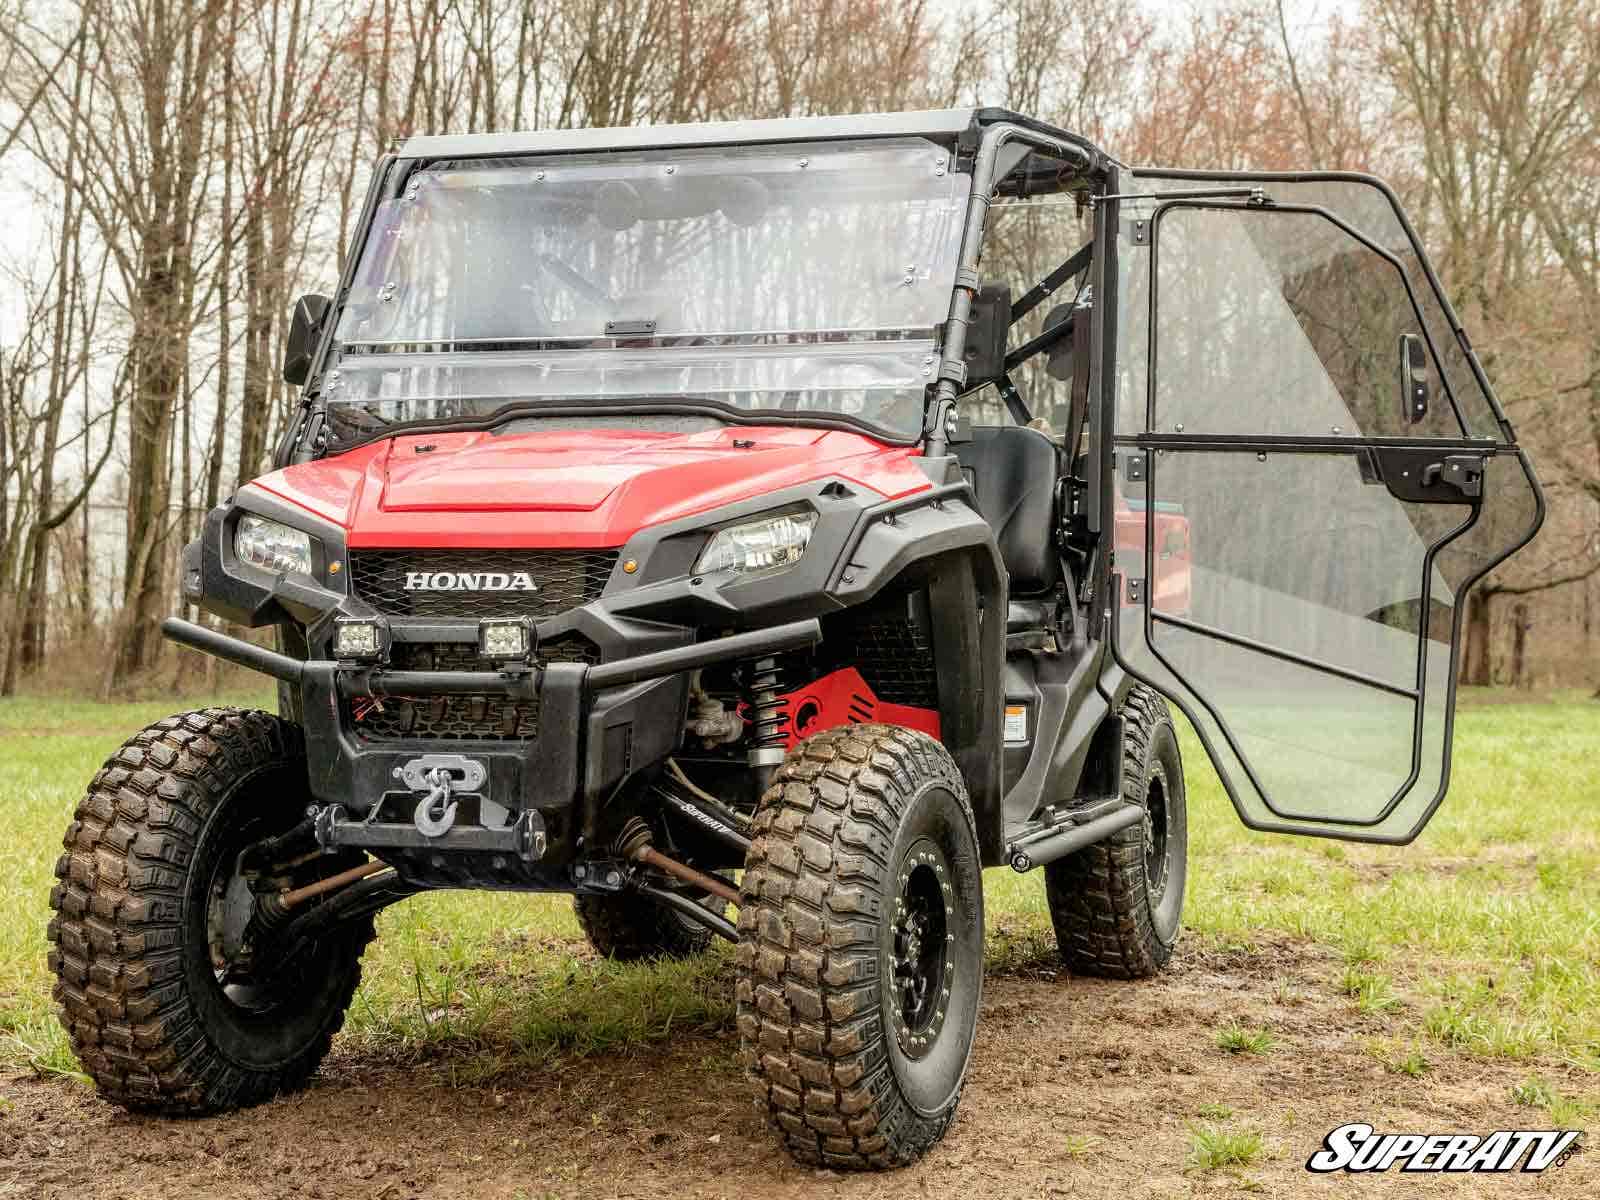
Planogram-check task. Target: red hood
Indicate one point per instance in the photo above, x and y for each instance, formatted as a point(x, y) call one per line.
point(573, 488)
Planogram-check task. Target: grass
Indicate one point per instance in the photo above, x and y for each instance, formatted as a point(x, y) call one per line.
point(1482, 939)
point(1566, 1112)
point(1212, 1147)
point(1373, 994)
point(1408, 1060)
point(1236, 1039)
point(1079, 1146)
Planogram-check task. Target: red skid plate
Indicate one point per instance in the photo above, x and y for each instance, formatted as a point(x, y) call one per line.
point(843, 698)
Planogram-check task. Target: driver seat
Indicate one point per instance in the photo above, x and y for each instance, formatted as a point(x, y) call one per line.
point(1013, 472)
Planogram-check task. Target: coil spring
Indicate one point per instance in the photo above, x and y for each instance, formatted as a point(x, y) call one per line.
point(769, 714)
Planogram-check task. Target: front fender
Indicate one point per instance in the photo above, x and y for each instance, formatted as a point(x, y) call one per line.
point(940, 540)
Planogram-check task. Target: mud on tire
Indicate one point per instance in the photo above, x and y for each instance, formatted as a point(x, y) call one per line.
point(862, 886)
point(131, 938)
point(1117, 905)
point(632, 928)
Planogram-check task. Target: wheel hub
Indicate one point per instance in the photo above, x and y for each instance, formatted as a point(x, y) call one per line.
point(922, 969)
point(232, 905)
point(1157, 828)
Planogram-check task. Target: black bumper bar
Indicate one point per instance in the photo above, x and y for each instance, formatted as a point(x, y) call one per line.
point(375, 681)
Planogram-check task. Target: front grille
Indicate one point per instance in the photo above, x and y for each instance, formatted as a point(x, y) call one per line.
point(564, 579)
point(471, 718)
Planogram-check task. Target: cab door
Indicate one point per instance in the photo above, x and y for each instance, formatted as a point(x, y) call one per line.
point(1314, 472)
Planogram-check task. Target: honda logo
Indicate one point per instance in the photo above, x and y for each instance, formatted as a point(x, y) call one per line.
point(470, 581)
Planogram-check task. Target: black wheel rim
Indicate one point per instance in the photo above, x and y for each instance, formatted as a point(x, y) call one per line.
point(1157, 834)
point(922, 969)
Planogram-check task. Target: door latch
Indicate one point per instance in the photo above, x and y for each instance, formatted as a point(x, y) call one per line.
point(1464, 472)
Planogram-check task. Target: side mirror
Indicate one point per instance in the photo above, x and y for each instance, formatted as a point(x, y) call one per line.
point(1414, 389)
point(305, 331)
point(986, 333)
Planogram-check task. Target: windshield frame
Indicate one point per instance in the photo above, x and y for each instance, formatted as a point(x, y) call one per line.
point(979, 150)
point(905, 389)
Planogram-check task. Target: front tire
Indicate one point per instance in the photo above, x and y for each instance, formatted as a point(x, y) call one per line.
point(1117, 906)
point(860, 960)
point(149, 901)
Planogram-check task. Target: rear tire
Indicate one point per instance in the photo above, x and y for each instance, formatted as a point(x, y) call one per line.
point(860, 960)
point(633, 928)
point(1117, 906)
point(148, 901)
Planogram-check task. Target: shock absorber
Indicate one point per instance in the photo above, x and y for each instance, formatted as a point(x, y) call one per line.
point(769, 715)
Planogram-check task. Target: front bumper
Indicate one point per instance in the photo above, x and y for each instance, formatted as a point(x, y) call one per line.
point(597, 725)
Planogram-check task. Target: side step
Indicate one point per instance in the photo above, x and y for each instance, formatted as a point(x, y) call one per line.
point(1059, 834)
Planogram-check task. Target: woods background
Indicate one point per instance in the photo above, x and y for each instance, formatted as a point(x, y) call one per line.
point(197, 164)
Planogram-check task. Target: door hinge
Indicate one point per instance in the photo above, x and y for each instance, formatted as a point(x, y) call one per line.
point(1139, 231)
point(1135, 591)
point(1134, 468)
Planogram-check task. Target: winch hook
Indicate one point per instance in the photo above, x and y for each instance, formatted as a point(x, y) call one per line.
point(436, 812)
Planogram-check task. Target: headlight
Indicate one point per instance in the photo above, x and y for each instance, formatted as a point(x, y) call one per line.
point(272, 546)
point(769, 544)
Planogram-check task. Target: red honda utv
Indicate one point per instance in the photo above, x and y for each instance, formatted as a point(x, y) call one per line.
point(635, 539)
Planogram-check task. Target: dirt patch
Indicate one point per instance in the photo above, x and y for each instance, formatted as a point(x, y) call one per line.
point(1079, 1087)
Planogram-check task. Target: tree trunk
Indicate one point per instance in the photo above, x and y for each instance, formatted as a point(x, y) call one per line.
point(1475, 655)
point(1520, 624)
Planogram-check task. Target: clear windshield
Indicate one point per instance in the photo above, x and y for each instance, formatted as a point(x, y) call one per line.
point(795, 279)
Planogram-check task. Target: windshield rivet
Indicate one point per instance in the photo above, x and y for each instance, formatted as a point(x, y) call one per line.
point(672, 170)
point(1178, 428)
point(805, 162)
point(908, 280)
point(539, 176)
point(1261, 457)
point(1337, 430)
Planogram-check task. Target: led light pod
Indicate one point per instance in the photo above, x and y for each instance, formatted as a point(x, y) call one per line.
point(505, 639)
point(357, 639)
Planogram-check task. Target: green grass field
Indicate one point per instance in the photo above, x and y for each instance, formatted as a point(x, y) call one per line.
point(1482, 939)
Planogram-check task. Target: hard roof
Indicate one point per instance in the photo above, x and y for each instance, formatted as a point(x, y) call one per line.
point(933, 123)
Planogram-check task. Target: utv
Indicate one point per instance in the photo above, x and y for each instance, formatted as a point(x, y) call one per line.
point(797, 516)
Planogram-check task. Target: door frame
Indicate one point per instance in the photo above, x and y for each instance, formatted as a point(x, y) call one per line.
point(1147, 442)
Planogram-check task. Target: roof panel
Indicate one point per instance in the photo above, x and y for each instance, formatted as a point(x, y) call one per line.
point(938, 122)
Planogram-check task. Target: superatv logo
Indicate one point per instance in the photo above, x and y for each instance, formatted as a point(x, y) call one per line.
point(470, 581)
point(1358, 1147)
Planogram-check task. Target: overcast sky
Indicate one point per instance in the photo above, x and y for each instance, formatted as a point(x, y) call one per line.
point(23, 232)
